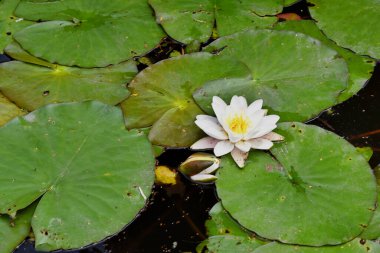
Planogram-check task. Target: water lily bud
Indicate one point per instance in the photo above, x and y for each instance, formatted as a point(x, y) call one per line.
point(204, 178)
point(197, 163)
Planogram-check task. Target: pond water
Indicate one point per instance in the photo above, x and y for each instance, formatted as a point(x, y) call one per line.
point(173, 220)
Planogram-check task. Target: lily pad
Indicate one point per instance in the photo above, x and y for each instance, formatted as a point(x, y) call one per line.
point(227, 244)
point(9, 24)
point(8, 110)
point(88, 33)
point(13, 232)
point(355, 246)
point(185, 21)
point(351, 24)
point(294, 74)
point(91, 174)
point(221, 223)
point(162, 96)
point(15, 51)
point(359, 67)
point(32, 86)
point(235, 16)
point(373, 230)
point(314, 181)
point(193, 20)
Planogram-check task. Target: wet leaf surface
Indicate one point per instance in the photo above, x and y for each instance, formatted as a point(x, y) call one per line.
point(351, 24)
point(88, 33)
point(90, 173)
point(296, 195)
point(360, 67)
point(32, 86)
point(295, 75)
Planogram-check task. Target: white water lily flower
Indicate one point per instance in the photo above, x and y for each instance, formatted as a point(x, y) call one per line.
point(237, 128)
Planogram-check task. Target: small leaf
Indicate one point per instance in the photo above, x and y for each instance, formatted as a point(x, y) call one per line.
point(13, 232)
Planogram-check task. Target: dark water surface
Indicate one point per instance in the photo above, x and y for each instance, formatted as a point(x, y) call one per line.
point(173, 220)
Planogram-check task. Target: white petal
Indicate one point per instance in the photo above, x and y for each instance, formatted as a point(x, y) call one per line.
point(219, 107)
point(239, 157)
point(212, 128)
point(260, 143)
point(207, 117)
point(243, 146)
point(272, 136)
point(223, 147)
point(203, 178)
point(266, 125)
point(205, 143)
point(211, 169)
point(239, 103)
point(255, 106)
point(233, 137)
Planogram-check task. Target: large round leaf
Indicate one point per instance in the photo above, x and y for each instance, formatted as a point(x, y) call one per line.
point(90, 173)
point(351, 24)
point(88, 33)
point(355, 246)
point(9, 24)
point(296, 75)
point(227, 244)
point(31, 86)
point(8, 110)
point(315, 190)
point(360, 67)
point(14, 231)
point(162, 96)
point(193, 20)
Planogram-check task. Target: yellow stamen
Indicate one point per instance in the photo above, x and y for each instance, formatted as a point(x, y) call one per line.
point(238, 124)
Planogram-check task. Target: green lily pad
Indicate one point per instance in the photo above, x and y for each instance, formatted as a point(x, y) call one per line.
point(193, 20)
point(15, 51)
point(185, 21)
point(355, 246)
point(8, 110)
point(227, 244)
point(91, 174)
point(366, 152)
point(359, 67)
point(351, 24)
point(315, 190)
point(9, 24)
point(13, 232)
point(290, 2)
point(221, 223)
point(88, 33)
point(235, 16)
point(295, 75)
point(32, 86)
point(373, 230)
point(162, 96)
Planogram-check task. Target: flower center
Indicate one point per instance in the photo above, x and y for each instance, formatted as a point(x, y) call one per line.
point(238, 124)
